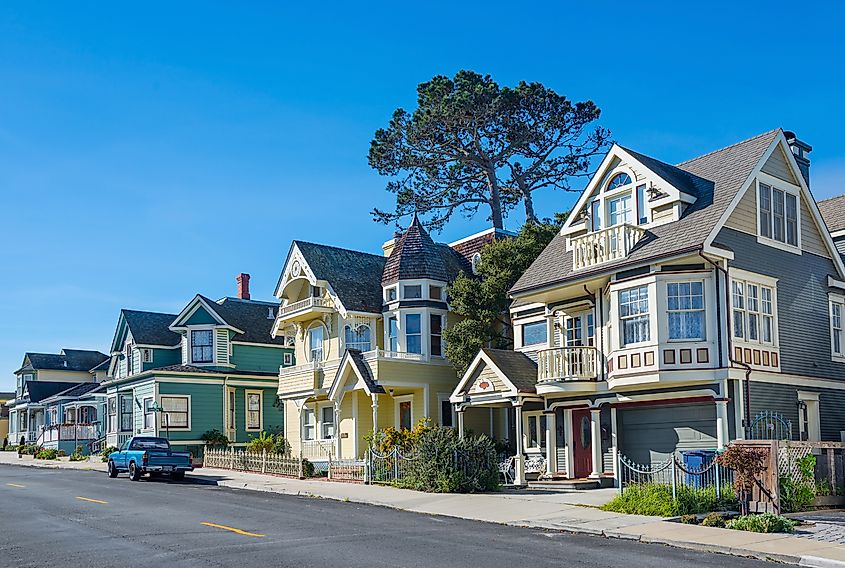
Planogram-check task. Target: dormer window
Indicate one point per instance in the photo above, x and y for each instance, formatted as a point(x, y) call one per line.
point(778, 214)
point(619, 180)
point(202, 342)
point(412, 292)
point(619, 210)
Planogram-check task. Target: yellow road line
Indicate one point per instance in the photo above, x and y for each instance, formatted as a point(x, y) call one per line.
point(234, 530)
point(16, 485)
point(93, 500)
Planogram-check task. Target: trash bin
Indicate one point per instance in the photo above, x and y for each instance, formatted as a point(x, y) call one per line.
point(694, 462)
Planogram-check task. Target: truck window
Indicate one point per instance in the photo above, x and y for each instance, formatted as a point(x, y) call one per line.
point(150, 444)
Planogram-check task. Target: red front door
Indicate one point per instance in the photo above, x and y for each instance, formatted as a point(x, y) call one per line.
point(581, 442)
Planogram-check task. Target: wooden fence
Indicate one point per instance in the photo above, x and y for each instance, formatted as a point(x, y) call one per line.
point(239, 459)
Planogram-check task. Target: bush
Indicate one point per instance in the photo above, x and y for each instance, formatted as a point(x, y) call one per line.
point(215, 438)
point(765, 523)
point(389, 439)
point(747, 464)
point(61, 454)
point(107, 451)
point(307, 468)
point(78, 455)
point(270, 443)
point(28, 449)
point(46, 454)
point(799, 494)
point(713, 520)
point(445, 463)
point(656, 500)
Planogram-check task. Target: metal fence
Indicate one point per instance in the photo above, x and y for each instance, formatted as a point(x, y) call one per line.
point(768, 425)
point(389, 467)
point(674, 473)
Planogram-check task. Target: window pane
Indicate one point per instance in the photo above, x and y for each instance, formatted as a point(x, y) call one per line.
point(413, 337)
point(446, 413)
point(534, 333)
point(436, 324)
point(791, 219)
point(765, 210)
point(533, 442)
point(405, 415)
point(739, 324)
point(412, 323)
point(641, 215)
point(413, 292)
point(595, 218)
point(777, 215)
point(393, 331)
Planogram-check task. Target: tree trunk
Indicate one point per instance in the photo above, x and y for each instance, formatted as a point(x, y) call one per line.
point(530, 215)
point(495, 199)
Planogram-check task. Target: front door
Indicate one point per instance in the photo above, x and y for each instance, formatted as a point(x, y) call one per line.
point(582, 453)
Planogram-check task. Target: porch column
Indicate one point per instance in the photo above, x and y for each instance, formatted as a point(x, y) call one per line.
point(614, 437)
point(595, 441)
point(337, 429)
point(375, 413)
point(551, 443)
point(569, 443)
point(722, 432)
point(459, 410)
point(519, 465)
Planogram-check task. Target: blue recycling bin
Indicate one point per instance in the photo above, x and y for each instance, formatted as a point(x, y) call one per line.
point(695, 461)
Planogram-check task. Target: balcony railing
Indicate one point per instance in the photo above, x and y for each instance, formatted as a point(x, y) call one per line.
point(69, 432)
point(304, 305)
point(567, 364)
point(399, 355)
point(605, 245)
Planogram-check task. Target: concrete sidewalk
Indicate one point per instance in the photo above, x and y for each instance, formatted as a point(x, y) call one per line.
point(572, 512)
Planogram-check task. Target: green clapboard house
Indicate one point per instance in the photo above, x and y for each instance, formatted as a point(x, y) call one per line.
point(214, 366)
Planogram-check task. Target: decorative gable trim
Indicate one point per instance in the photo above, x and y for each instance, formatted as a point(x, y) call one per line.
point(461, 392)
point(806, 196)
point(296, 267)
point(198, 302)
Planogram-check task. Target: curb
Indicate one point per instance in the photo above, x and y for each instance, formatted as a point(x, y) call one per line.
point(817, 562)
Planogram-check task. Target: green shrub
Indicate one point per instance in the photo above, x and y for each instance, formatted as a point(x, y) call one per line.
point(446, 463)
point(78, 454)
point(270, 443)
point(46, 454)
point(798, 493)
point(689, 519)
point(390, 438)
point(29, 449)
point(713, 520)
point(61, 454)
point(656, 500)
point(107, 451)
point(215, 438)
point(307, 468)
point(765, 523)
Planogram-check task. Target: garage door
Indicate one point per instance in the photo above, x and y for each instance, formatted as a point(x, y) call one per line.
point(649, 434)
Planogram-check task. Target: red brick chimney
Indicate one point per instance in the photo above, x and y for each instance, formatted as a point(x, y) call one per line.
point(243, 286)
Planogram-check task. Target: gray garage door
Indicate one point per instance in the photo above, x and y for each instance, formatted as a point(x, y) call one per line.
point(649, 434)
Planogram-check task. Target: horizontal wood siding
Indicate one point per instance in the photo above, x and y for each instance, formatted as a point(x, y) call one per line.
point(803, 320)
point(744, 216)
point(777, 166)
point(783, 399)
point(811, 238)
point(206, 407)
point(164, 358)
point(141, 392)
point(257, 358)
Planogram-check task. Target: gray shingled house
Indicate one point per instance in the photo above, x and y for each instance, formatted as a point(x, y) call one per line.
point(677, 303)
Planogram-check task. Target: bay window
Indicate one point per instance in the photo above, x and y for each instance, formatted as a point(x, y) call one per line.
point(435, 331)
point(634, 316)
point(778, 214)
point(413, 333)
point(357, 337)
point(685, 303)
point(315, 343)
point(393, 334)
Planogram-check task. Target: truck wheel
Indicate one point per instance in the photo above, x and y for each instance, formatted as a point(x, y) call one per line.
point(134, 472)
point(178, 475)
point(112, 470)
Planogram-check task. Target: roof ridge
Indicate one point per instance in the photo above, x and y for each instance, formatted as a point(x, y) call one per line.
point(338, 248)
point(147, 312)
point(831, 198)
point(680, 164)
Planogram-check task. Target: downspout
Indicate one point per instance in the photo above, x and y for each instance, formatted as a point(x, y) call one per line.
point(742, 364)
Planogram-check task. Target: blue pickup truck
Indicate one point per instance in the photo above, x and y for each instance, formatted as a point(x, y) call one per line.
point(146, 454)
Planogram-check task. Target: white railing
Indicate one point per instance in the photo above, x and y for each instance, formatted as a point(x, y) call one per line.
point(605, 245)
point(122, 439)
point(289, 371)
point(319, 450)
point(567, 364)
point(403, 355)
point(306, 304)
point(68, 432)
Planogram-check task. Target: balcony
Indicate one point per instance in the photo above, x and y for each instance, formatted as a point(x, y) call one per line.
point(305, 307)
point(393, 355)
point(564, 364)
point(605, 245)
point(305, 378)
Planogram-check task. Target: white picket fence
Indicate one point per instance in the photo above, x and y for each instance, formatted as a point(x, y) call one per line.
point(239, 459)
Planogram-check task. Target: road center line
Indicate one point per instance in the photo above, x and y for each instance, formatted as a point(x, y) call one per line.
point(93, 500)
point(231, 529)
point(16, 485)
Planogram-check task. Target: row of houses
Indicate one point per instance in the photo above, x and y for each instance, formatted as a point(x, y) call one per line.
point(676, 303)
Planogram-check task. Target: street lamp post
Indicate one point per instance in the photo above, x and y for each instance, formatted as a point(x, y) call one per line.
point(158, 408)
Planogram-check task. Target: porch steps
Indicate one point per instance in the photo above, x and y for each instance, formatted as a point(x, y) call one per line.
point(565, 484)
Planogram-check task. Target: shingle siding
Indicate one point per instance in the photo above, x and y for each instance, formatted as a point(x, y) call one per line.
point(803, 321)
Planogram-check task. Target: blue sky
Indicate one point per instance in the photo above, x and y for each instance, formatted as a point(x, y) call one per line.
point(146, 155)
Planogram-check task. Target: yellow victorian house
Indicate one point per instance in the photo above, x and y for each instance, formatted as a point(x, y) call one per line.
point(366, 330)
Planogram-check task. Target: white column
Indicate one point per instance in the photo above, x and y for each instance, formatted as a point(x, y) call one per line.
point(722, 432)
point(519, 466)
point(569, 442)
point(551, 449)
point(337, 430)
point(595, 441)
point(375, 413)
point(460, 412)
point(614, 437)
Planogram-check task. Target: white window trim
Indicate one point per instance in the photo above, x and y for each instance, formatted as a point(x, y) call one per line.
point(406, 285)
point(163, 425)
point(325, 341)
point(811, 399)
point(287, 359)
point(317, 409)
point(146, 355)
point(839, 300)
point(703, 310)
point(144, 413)
point(260, 394)
point(650, 314)
point(397, 400)
point(745, 277)
point(388, 290)
point(441, 398)
point(189, 339)
point(527, 417)
point(786, 187)
point(519, 334)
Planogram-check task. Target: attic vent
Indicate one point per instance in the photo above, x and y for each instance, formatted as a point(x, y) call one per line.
point(270, 314)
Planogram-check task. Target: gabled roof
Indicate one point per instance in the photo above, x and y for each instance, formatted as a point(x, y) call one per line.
point(104, 366)
point(714, 179)
point(205, 370)
point(520, 369)
point(252, 317)
point(151, 328)
point(833, 213)
point(355, 359)
point(67, 360)
point(76, 390)
point(354, 276)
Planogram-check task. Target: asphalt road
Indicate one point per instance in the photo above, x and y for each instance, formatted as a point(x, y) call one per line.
point(84, 519)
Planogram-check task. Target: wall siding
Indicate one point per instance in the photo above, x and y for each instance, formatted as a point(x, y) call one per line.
point(811, 239)
point(803, 321)
point(783, 399)
point(778, 167)
point(257, 358)
point(201, 317)
point(744, 216)
point(206, 407)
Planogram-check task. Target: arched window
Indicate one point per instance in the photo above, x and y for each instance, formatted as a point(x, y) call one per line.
point(357, 337)
point(619, 180)
point(315, 343)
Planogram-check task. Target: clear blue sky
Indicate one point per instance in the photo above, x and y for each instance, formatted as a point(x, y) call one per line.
point(148, 154)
